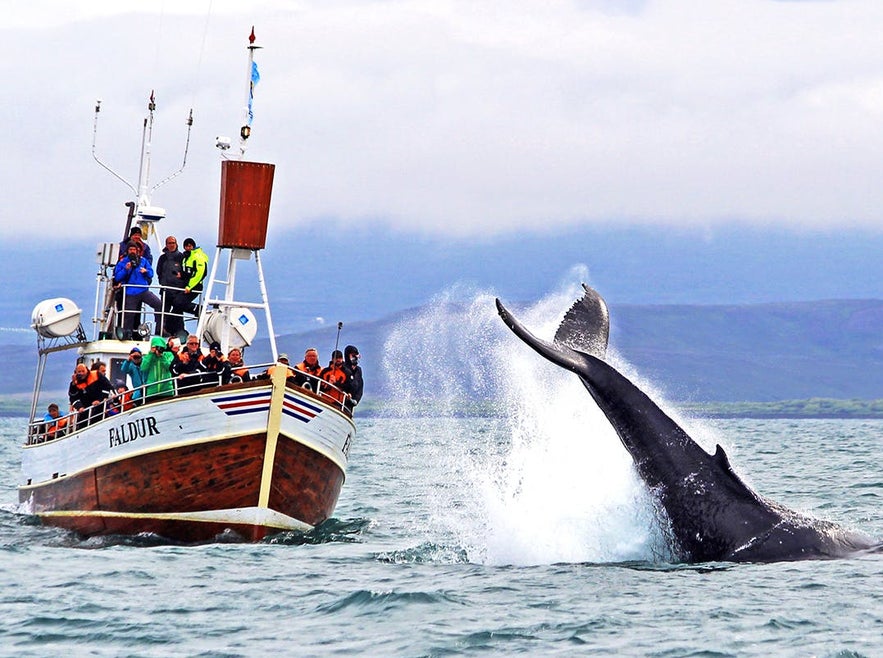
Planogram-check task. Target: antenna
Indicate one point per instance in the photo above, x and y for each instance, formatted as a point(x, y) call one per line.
point(337, 340)
point(95, 156)
point(142, 191)
point(184, 162)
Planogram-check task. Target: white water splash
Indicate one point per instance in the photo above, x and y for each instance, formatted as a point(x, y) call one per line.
point(548, 481)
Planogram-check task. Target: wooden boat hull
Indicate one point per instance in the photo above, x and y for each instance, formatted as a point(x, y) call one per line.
point(254, 459)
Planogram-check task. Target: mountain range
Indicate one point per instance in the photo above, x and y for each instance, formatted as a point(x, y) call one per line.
point(728, 313)
point(695, 353)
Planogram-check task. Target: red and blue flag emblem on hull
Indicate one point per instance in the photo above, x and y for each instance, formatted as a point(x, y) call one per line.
point(243, 403)
point(300, 409)
point(250, 403)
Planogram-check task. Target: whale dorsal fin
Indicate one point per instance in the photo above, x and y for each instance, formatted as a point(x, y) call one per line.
point(721, 458)
point(586, 326)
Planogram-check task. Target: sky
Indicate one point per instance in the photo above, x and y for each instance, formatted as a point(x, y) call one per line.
point(441, 118)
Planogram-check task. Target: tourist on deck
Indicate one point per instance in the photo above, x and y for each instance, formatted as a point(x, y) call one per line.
point(355, 385)
point(195, 266)
point(77, 394)
point(132, 368)
point(137, 237)
point(170, 272)
point(120, 401)
point(99, 387)
point(335, 375)
point(55, 421)
point(237, 366)
point(98, 391)
point(173, 345)
point(281, 362)
point(52, 413)
point(133, 275)
point(155, 369)
point(187, 366)
point(216, 365)
point(309, 366)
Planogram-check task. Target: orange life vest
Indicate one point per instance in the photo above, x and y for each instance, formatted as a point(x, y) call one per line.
point(336, 376)
point(53, 429)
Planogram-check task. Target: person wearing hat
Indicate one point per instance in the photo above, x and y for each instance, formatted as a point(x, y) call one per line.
point(355, 385)
point(133, 275)
point(121, 400)
point(214, 362)
point(336, 377)
point(155, 369)
point(135, 235)
point(195, 264)
point(131, 367)
point(281, 361)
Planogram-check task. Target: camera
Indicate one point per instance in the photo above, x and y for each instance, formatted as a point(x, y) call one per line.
point(134, 259)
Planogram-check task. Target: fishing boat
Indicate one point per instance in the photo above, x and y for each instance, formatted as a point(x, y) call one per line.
point(253, 453)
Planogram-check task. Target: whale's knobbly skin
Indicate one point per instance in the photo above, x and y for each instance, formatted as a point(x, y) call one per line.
point(714, 516)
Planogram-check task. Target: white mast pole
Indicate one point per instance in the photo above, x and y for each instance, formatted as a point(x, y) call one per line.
point(251, 80)
point(144, 169)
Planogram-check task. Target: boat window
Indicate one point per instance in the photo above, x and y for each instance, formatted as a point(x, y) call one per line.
point(115, 372)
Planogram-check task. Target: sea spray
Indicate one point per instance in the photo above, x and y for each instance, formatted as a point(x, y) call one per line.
point(550, 481)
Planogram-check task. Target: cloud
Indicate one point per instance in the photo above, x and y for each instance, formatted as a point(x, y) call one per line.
point(455, 118)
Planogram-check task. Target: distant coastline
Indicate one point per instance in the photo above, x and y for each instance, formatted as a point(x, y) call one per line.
point(813, 408)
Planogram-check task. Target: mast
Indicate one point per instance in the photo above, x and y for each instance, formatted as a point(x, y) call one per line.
point(253, 77)
point(140, 210)
point(246, 188)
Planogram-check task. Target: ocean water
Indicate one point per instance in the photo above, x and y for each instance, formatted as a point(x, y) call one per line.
point(434, 552)
point(524, 532)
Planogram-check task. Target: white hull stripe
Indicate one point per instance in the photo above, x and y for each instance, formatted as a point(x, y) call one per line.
point(259, 516)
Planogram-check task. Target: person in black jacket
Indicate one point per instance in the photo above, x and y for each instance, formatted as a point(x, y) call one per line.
point(170, 270)
point(78, 395)
point(355, 384)
point(214, 362)
point(187, 366)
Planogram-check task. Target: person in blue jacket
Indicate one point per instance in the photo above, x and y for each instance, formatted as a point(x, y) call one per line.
point(133, 274)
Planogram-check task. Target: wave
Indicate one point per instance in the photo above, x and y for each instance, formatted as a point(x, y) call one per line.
point(546, 480)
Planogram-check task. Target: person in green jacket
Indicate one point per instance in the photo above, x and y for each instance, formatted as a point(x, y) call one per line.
point(195, 266)
point(155, 369)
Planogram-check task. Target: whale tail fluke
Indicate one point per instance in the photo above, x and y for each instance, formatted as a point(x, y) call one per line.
point(586, 326)
point(558, 353)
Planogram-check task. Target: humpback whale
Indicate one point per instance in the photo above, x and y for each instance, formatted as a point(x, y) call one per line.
point(713, 516)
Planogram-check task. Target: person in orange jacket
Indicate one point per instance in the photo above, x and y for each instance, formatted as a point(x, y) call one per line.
point(336, 375)
point(282, 362)
point(309, 366)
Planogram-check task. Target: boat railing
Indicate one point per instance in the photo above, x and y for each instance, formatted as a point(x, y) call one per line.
point(41, 431)
point(115, 312)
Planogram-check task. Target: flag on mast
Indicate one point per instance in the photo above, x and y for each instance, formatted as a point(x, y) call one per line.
point(255, 78)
